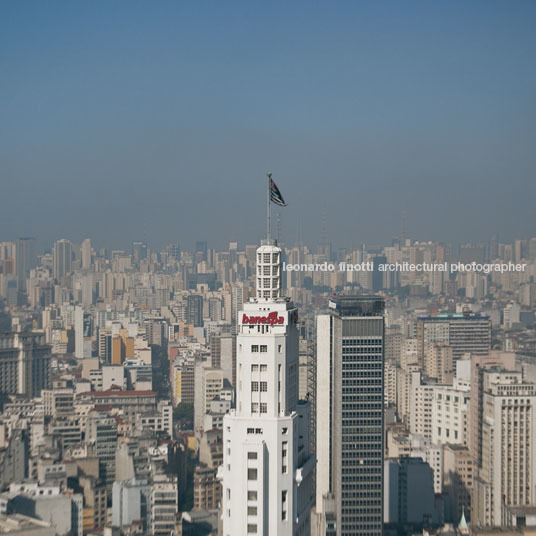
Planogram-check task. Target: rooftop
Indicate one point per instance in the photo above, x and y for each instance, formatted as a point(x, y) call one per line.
point(365, 305)
point(117, 393)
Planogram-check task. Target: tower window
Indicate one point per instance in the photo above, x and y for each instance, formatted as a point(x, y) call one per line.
point(284, 505)
point(252, 473)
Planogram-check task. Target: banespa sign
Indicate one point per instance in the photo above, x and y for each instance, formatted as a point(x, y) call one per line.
point(270, 319)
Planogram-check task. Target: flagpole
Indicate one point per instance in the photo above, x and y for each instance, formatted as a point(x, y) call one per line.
point(268, 212)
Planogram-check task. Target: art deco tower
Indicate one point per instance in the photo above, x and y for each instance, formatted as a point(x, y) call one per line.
point(267, 468)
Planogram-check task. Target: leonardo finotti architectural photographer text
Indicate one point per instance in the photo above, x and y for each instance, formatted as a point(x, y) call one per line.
point(485, 268)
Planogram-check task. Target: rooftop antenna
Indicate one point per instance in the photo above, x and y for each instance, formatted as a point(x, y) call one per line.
point(268, 211)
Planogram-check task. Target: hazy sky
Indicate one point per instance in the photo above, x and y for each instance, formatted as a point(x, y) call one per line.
point(157, 121)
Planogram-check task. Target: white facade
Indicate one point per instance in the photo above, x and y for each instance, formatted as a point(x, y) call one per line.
point(421, 398)
point(450, 414)
point(266, 472)
point(508, 439)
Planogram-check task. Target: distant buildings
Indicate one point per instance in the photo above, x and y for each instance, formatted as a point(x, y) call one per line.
point(25, 259)
point(463, 332)
point(24, 363)
point(106, 344)
point(62, 257)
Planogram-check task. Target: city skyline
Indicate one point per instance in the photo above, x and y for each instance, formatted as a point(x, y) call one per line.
point(190, 244)
point(137, 122)
point(181, 356)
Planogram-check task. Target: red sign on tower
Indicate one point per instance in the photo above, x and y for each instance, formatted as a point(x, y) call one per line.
point(270, 319)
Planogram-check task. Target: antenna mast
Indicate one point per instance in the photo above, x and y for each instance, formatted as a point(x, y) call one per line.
point(268, 210)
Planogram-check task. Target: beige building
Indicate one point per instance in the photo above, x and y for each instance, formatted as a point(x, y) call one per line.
point(508, 436)
point(207, 488)
point(438, 363)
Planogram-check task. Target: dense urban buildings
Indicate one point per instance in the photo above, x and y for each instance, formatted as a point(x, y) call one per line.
point(149, 391)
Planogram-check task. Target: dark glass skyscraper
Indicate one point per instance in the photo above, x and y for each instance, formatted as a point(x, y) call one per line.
point(194, 310)
point(349, 492)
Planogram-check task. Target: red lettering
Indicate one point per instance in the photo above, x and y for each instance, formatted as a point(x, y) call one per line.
point(271, 319)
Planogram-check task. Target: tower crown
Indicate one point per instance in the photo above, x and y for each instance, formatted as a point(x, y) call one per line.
point(268, 271)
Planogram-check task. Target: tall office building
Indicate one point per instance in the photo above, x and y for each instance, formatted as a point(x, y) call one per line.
point(25, 260)
point(83, 333)
point(24, 363)
point(62, 255)
point(194, 310)
point(201, 249)
point(507, 475)
point(239, 292)
point(349, 417)
point(267, 468)
point(464, 332)
point(223, 355)
point(85, 254)
point(479, 364)
point(101, 435)
point(139, 251)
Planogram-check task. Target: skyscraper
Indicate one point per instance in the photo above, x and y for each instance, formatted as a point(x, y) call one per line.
point(267, 467)
point(25, 260)
point(24, 363)
point(349, 418)
point(194, 310)
point(85, 254)
point(464, 332)
point(63, 257)
point(507, 475)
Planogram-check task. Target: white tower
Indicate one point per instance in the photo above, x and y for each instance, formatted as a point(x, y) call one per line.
point(267, 468)
point(268, 271)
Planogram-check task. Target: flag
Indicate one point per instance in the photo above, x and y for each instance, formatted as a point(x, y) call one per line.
point(275, 194)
